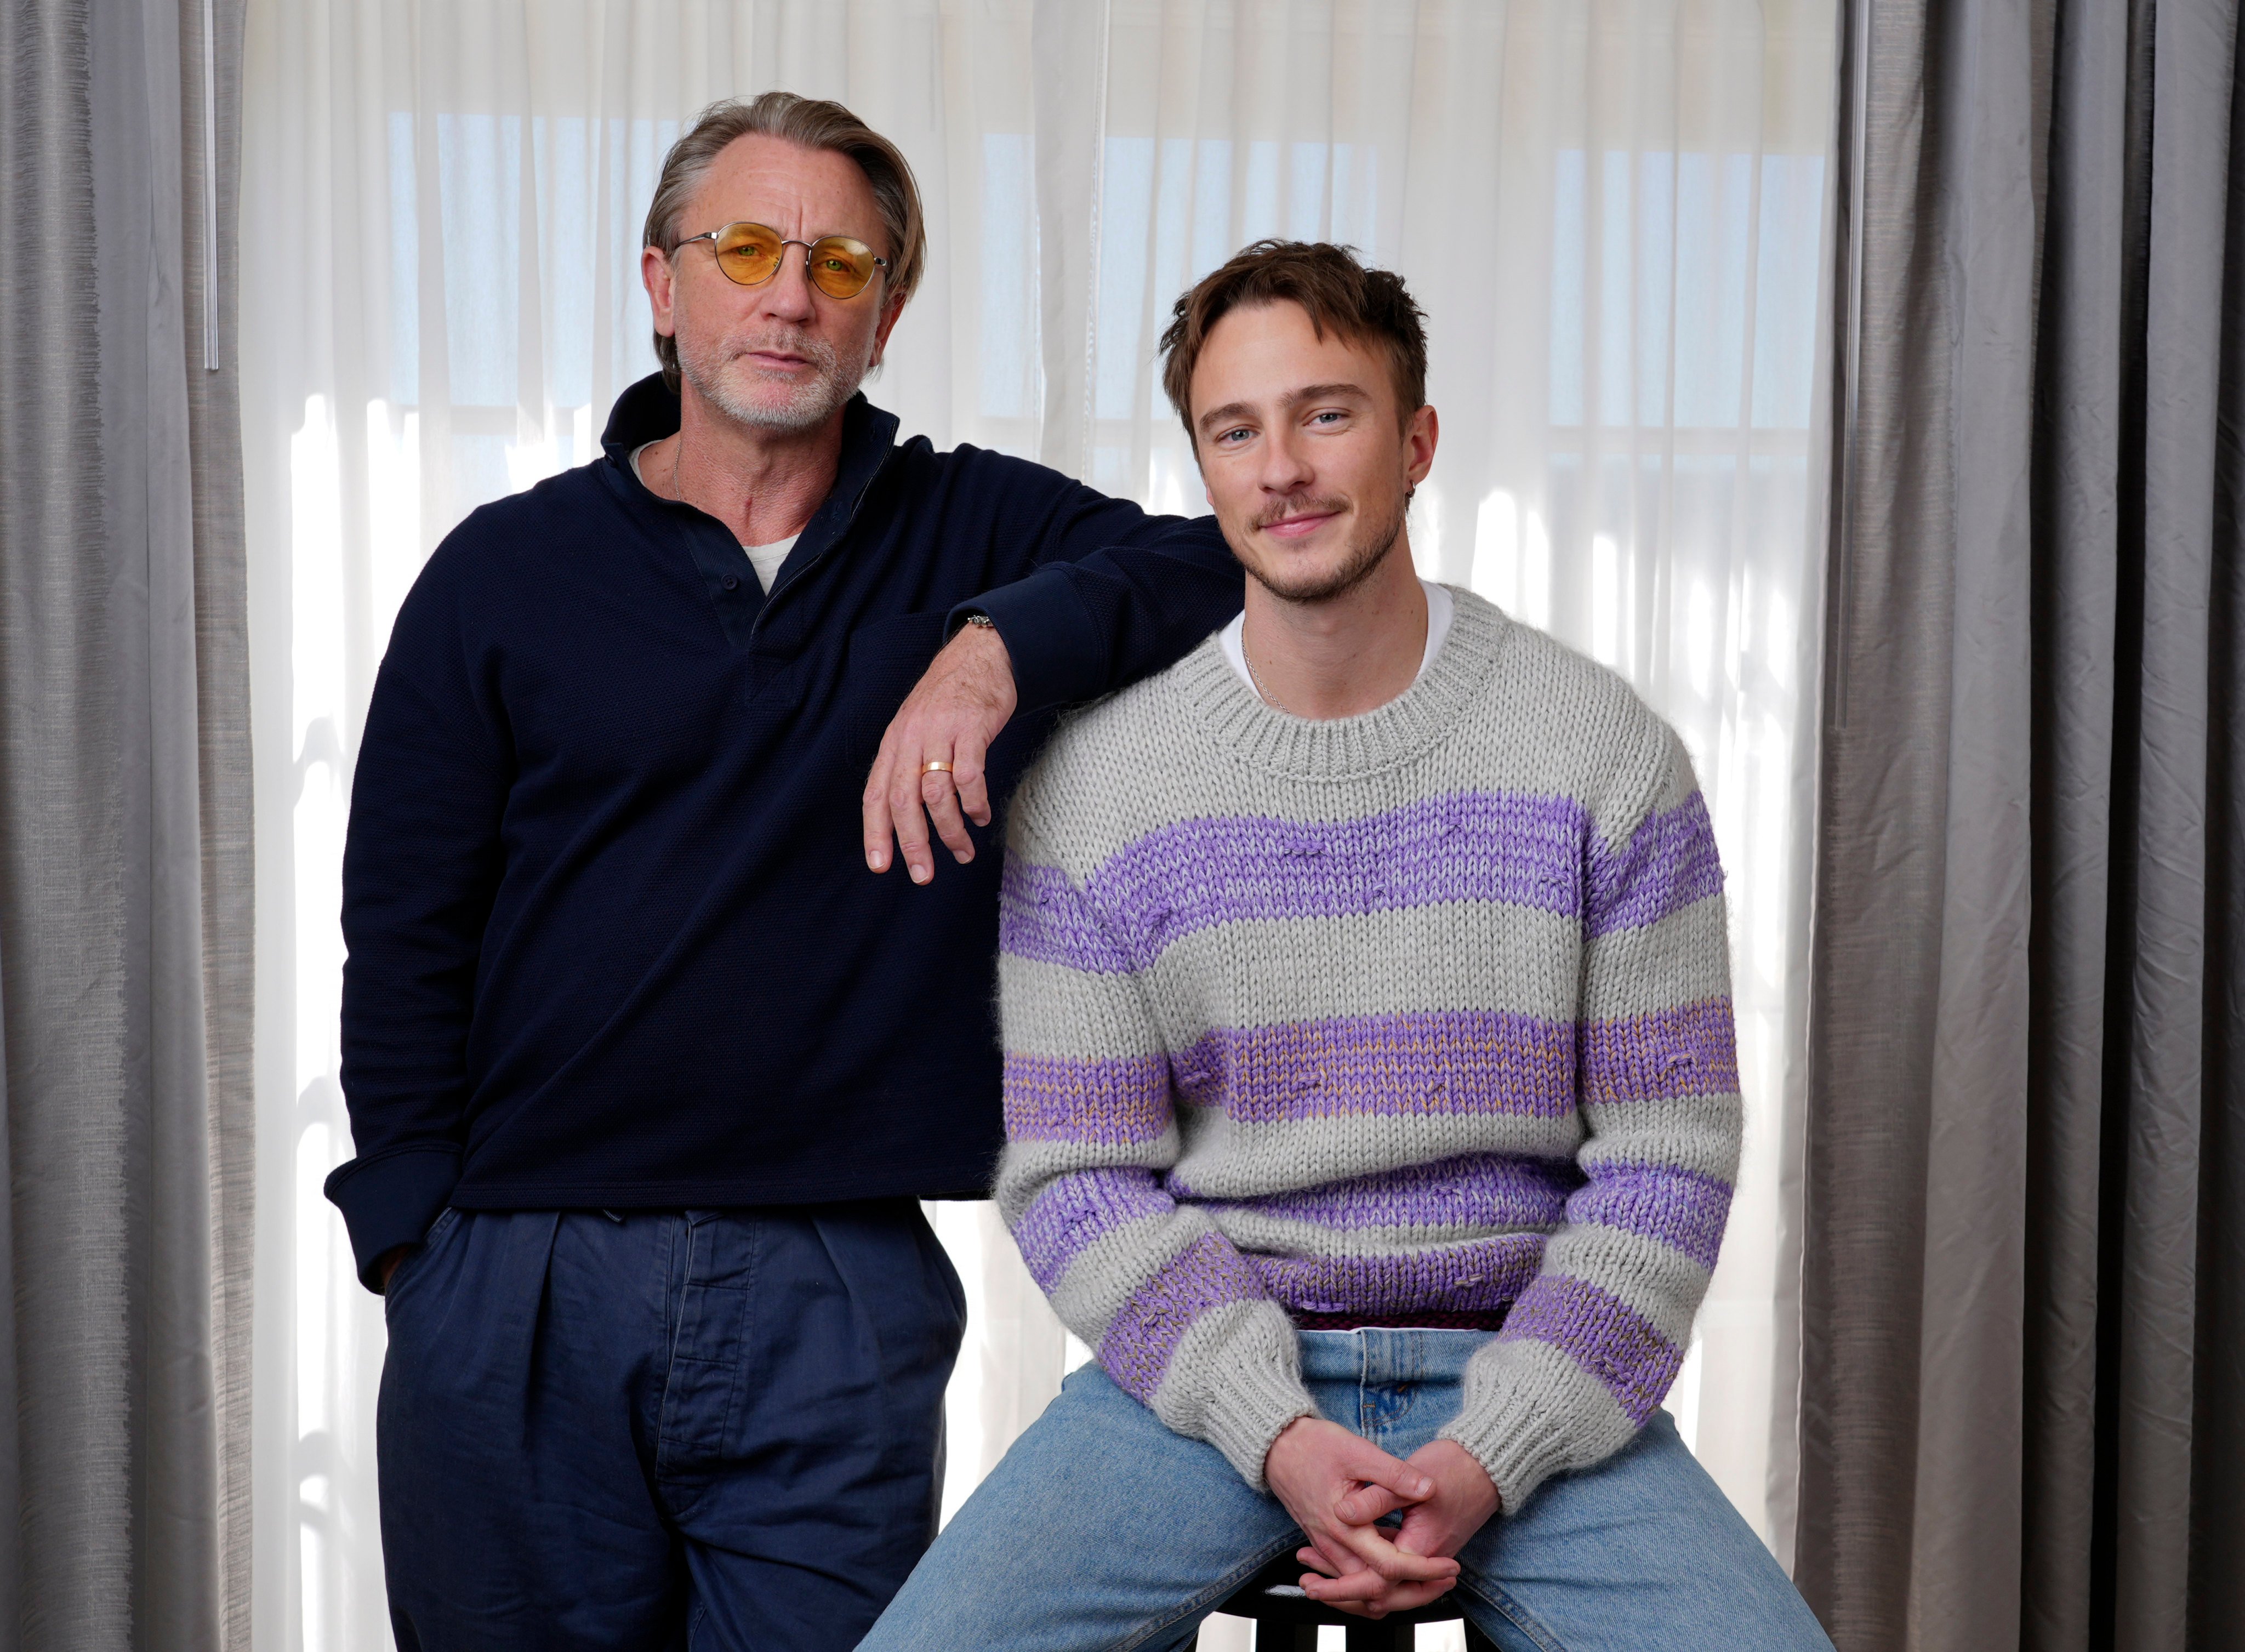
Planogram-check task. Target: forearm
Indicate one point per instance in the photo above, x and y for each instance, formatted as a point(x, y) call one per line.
point(1170, 1309)
point(421, 867)
point(1117, 596)
point(409, 998)
point(1590, 1347)
point(406, 1083)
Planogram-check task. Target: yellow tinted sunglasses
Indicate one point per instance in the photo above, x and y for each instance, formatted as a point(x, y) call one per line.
point(839, 266)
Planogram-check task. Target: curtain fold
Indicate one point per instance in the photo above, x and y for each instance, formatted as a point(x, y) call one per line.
point(61, 916)
point(123, 881)
point(210, 76)
point(2020, 1287)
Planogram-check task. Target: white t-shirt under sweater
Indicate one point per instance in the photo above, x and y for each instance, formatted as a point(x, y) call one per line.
point(764, 558)
point(1439, 609)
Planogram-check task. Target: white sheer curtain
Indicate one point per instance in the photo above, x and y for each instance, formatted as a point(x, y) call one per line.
point(1613, 212)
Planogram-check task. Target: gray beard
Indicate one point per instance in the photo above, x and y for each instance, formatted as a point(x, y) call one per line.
point(811, 405)
point(1366, 553)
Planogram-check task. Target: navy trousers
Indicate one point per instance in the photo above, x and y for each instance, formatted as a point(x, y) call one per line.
point(693, 1432)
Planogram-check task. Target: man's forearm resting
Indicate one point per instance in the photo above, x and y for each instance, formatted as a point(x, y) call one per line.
point(1117, 594)
point(950, 717)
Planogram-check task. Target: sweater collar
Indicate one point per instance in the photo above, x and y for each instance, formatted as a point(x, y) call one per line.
point(1235, 718)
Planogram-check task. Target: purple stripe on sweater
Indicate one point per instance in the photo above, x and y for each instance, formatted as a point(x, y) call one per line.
point(1684, 1211)
point(1077, 1211)
point(1205, 1275)
point(1112, 1103)
point(1227, 869)
point(1669, 862)
point(1045, 919)
point(1483, 1277)
point(1438, 1062)
point(1447, 1061)
point(1688, 1050)
point(1603, 1335)
point(1493, 1190)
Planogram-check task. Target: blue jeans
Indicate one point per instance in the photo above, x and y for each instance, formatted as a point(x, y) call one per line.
point(1103, 1529)
point(674, 1432)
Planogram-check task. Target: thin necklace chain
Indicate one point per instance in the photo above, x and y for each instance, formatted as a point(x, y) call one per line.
point(1261, 693)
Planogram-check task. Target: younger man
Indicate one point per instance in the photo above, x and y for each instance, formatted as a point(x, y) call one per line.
point(1371, 1098)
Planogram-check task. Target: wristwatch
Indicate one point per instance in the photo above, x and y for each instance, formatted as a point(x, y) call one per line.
point(982, 619)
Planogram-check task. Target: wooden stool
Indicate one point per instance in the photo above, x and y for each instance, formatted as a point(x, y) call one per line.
point(1287, 1621)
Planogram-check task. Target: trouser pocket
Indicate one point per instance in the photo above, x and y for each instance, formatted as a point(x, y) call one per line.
point(410, 1266)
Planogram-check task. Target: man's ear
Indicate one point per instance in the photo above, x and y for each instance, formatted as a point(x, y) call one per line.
point(1420, 436)
point(656, 275)
point(892, 309)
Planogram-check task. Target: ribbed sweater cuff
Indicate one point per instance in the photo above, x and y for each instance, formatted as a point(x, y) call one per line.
point(391, 1200)
point(1519, 1446)
point(1252, 1401)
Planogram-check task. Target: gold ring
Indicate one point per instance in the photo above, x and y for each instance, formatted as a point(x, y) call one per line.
point(935, 766)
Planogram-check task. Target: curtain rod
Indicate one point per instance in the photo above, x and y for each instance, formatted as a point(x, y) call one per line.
point(210, 186)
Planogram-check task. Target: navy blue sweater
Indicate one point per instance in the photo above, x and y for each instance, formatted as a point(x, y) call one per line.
point(613, 942)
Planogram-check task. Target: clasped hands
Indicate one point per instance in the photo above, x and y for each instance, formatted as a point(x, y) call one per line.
point(1339, 1486)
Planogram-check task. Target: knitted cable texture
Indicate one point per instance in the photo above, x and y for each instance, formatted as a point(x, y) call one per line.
point(1417, 1018)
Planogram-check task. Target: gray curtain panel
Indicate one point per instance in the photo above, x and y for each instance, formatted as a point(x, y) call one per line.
point(125, 882)
point(2023, 1289)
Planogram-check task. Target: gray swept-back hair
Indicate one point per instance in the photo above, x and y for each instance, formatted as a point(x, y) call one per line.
point(808, 123)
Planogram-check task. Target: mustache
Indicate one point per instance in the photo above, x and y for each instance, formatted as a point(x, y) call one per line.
point(810, 346)
point(1299, 506)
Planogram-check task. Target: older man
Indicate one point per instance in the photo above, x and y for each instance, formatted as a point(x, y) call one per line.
point(646, 1071)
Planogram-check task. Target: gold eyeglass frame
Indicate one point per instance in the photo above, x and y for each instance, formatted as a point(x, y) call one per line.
point(851, 245)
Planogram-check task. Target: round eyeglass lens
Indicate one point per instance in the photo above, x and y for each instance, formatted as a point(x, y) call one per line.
point(750, 253)
point(841, 267)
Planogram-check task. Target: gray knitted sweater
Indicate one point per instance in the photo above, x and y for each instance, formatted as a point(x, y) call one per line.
point(1419, 1017)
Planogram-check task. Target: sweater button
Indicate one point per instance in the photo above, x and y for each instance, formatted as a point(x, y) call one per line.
point(732, 582)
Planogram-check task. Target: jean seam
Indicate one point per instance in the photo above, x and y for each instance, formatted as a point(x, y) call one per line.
point(1500, 1601)
point(1364, 1418)
point(1214, 1595)
point(752, 1243)
point(677, 1328)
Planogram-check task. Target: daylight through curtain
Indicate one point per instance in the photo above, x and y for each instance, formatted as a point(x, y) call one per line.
point(1613, 212)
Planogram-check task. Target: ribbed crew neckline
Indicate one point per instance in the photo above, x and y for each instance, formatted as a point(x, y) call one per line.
point(1233, 718)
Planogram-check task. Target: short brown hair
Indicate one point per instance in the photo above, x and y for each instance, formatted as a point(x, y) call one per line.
point(808, 123)
point(1369, 306)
